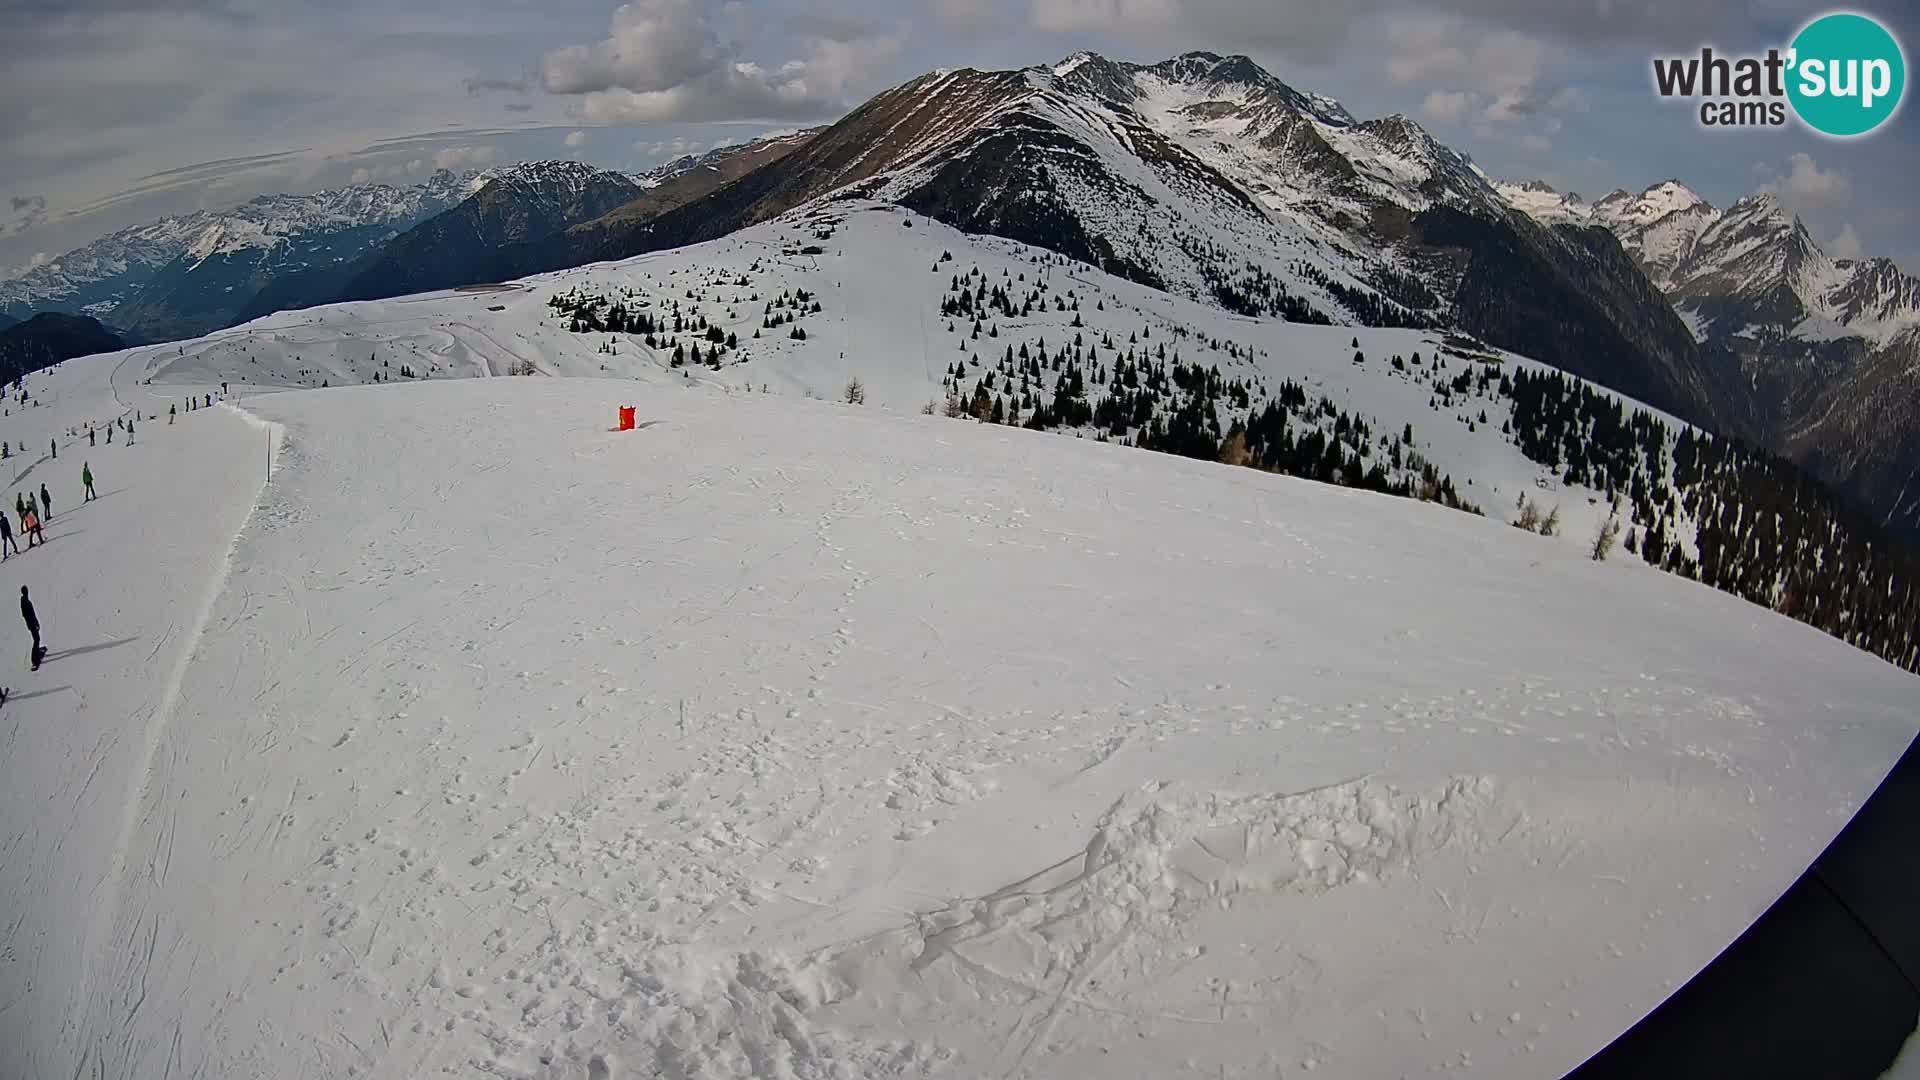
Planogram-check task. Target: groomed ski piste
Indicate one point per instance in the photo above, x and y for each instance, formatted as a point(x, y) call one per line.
point(788, 738)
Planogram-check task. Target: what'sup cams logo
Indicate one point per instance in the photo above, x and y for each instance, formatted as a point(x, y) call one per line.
point(1843, 76)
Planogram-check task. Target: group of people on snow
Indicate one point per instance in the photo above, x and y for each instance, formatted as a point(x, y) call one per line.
point(32, 512)
point(31, 522)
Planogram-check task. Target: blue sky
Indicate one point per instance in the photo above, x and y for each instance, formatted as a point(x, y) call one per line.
point(122, 110)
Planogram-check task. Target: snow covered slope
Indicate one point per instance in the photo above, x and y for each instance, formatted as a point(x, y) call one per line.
point(790, 739)
point(122, 590)
point(882, 286)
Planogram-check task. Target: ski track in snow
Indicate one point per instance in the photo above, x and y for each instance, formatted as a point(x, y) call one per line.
point(783, 739)
point(157, 718)
point(115, 585)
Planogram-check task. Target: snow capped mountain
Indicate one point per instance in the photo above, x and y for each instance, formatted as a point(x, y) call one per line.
point(1873, 292)
point(733, 159)
point(563, 179)
point(461, 246)
point(94, 278)
point(1208, 177)
point(265, 235)
point(1753, 260)
point(1827, 350)
point(1657, 227)
point(1620, 211)
point(1540, 201)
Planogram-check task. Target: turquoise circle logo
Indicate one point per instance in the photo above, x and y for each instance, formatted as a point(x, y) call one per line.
point(1847, 75)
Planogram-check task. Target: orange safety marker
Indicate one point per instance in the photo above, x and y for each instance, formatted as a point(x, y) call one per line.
point(626, 418)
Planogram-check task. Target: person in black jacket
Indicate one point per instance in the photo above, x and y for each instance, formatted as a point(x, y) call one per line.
point(6, 538)
point(33, 626)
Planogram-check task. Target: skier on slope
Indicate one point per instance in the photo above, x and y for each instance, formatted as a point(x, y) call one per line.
point(31, 527)
point(46, 500)
point(32, 618)
point(90, 438)
point(6, 537)
point(86, 481)
point(170, 412)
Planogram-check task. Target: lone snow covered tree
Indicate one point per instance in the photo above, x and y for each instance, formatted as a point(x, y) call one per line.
point(856, 393)
point(1551, 526)
point(1607, 535)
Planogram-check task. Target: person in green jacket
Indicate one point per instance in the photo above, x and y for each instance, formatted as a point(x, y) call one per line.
point(86, 480)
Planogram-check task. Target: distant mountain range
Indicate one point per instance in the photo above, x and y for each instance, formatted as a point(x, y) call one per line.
point(472, 243)
point(1826, 352)
point(188, 275)
point(185, 275)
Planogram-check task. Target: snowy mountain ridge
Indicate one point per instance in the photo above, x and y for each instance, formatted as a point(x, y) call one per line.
point(98, 277)
point(719, 156)
point(1755, 249)
point(1209, 178)
point(1827, 351)
point(562, 178)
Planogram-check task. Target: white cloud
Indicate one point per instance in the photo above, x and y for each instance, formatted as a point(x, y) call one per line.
point(1448, 105)
point(362, 175)
point(576, 139)
point(463, 157)
point(38, 259)
point(967, 15)
point(1846, 245)
point(668, 60)
point(1451, 51)
point(1311, 30)
point(1536, 142)
point(1809, 187)
point(669, 148)
point(24, 212)
point(1304, 31)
